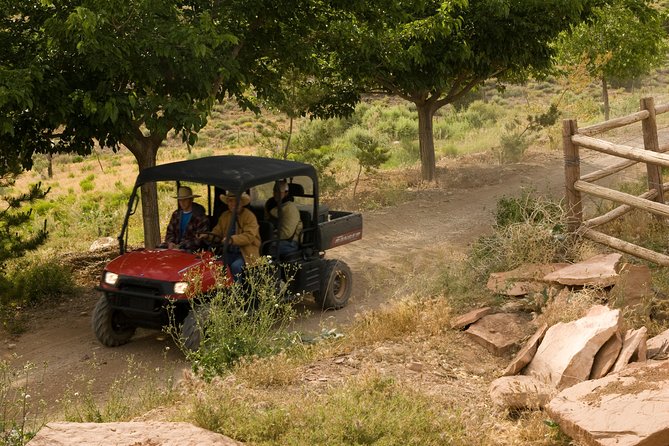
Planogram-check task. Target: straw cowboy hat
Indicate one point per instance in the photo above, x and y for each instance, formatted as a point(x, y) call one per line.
point(245, 198)
point(185, 192)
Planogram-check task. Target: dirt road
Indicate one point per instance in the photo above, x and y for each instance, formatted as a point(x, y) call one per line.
point(441, 221)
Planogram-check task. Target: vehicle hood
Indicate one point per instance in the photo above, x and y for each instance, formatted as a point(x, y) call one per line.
point(168, 265)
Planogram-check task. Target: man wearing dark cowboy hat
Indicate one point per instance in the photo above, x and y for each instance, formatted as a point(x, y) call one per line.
point(189, 219)
point(239, 227)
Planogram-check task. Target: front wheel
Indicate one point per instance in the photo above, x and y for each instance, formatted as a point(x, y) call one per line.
point(336, 285)
point(193, 328)
point(110, 326)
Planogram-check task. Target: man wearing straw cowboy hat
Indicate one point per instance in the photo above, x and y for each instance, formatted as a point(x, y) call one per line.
point(238, 227)
point(189, 219)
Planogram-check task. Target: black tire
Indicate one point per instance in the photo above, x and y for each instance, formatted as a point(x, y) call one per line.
point(336, 285)
point(193, 326)
point(110, 326)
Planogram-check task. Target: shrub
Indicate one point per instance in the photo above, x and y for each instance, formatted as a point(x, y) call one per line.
point(41, 281)
point(512, 147)
point(528, 230)
point(87, 184)
point(246, 319)
point(481, 114)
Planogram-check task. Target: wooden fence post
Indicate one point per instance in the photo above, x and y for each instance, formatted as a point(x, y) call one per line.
point(572, 173)
point(650, 142)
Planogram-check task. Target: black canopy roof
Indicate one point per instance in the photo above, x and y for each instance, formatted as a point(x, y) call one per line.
point(235, 173)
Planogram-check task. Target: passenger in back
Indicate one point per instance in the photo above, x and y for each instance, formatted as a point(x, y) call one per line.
point(284, 215)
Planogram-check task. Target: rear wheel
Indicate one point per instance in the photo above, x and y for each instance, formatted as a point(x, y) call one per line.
point(192, 330)
point(336, 285)
point(110, 326)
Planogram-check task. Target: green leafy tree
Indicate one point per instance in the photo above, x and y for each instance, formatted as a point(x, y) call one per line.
point(623, 41)
point(432, 52)
point(369, 153)
point(129, 72)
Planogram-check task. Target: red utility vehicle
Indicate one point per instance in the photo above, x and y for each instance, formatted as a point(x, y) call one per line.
point(139, 285)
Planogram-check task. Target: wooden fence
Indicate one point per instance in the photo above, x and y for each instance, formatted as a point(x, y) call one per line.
point(652, 155)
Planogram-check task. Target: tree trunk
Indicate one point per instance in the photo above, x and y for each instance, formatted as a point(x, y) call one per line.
point(290, 134)
point(49, 170)
point(605, 96)
point(426, 140)
point(145, 150)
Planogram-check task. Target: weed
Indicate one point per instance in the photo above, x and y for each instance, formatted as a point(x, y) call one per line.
point(245, 319)
point(132, 393)
point(20, 412)
point(528, 230)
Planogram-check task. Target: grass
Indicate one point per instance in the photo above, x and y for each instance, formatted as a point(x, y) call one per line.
point(134, 392)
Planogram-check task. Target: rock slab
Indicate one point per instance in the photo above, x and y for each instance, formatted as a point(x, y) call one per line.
point(567, 352)
point(520, 392)
point(523, 280)
point(598, 271)
point(629, 408)
point(525, 355)
point(467, 319)
point(128, 434)
point(499, 333)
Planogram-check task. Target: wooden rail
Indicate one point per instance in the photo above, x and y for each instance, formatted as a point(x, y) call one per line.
point(651, 154)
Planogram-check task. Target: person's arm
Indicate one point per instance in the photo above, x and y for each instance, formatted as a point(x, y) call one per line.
point(198, 223)
point(249, 232)
point(172, 229)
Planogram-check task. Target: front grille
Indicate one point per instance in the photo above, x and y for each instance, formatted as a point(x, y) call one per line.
point(146, 304)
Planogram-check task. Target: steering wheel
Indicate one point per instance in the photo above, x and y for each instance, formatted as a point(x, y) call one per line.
point(211, 237)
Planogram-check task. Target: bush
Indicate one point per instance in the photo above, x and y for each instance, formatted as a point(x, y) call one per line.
point(87, 184)
point(480, 114)
point(41, 281)
point(528, 230)
point(244, 320)
point(513, 147)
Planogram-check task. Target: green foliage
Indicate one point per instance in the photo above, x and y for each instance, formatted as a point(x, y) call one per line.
point(623, 41)
point(369, 410)
point(433, 53)
point(368, 152)
point(516, 140)
point(15, 237)
point(528, 229)
point(20, 412)
point(513, 147)
point(480, 114)
point(248, 318)
point(528, 208)
point(43, 280)
point(87, 184)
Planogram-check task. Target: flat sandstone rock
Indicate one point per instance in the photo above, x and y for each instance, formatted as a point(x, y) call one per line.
point(628, 408)
point(598, 271)
point(149, 433)
point(523, 280)
point(499, 333)
point(567, 352)
point(525, 355)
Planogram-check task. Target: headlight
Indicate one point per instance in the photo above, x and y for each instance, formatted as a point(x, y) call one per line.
point(110, 278)
point(180, 287)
